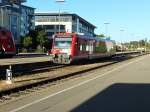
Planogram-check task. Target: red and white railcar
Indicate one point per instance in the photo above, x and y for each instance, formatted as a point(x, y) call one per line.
point(7, 44)
point(68, 47)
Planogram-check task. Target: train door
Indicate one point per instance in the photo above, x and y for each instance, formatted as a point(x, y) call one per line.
point(0, 49)
point(77, 46)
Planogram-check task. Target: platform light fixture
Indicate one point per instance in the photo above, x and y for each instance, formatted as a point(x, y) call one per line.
point(121, 37)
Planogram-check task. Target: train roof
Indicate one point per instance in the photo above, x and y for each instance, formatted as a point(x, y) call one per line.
point(84, 37)
point(96, 38)
point(3, 28)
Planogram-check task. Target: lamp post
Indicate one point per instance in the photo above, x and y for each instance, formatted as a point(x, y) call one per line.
point(59, 1)
point(106, 29)
point(121, 36)
point(145, 44)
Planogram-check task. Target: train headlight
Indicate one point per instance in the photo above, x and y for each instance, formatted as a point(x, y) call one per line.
point(69, 53)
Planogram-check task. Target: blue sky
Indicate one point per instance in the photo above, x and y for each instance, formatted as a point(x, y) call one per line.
point(132, 16)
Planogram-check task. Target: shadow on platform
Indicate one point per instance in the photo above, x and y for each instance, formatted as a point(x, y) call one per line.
point(119, 98)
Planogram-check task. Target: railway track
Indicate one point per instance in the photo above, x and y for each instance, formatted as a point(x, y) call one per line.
point(24, 55)
point(27, 55)
point(39, 80)
point(29, 68)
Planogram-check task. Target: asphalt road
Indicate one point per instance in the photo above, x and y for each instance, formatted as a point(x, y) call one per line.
point(124, 87)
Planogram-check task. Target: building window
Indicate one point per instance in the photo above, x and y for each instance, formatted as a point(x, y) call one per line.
point(49, 27)
point(62, 27)
point(14, 25)
point(52, 18)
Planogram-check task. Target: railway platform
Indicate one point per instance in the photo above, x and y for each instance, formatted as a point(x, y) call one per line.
point(51, 73)
point(88, 86)
point(13, 61)
point(32, 78)
point(41, 58)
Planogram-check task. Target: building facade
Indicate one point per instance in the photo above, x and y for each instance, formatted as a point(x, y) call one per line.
point(63, 22)
point(19, 19)
point(9, 19)
point(12, 1)
point(27, 20)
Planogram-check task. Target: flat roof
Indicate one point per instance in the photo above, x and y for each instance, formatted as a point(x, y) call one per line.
point(28, 7)
point(16, 1)
point(63, 14)
point(11, 5)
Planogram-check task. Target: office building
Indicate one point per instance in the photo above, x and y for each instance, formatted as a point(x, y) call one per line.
point(63, 22)
point(19, 19)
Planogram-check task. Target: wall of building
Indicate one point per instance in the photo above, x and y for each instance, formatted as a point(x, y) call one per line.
point(12, 1)
point(68, 25)
point(18, 19)
point(27, 20)
point(72, 23)
point(79, 26)
point(10, 19)
point(43, 21)
point(14, 24)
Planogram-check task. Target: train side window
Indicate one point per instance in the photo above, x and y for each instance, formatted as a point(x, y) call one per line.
point(80, 47)
point(87, 47)
point(3, 32)
point(77, 43)
point(83, 47)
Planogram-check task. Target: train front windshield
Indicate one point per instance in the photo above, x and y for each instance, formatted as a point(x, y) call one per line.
point(63, 42)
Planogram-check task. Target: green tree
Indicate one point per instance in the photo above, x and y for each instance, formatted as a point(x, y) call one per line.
point(142, 43)
point(33, 34)
point(41, 38)
point(27, 42)
point(134, 44)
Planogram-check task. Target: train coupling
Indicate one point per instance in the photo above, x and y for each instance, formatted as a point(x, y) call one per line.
point(62, 59)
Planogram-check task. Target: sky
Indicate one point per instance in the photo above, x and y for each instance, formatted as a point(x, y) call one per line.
point(128, 20)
